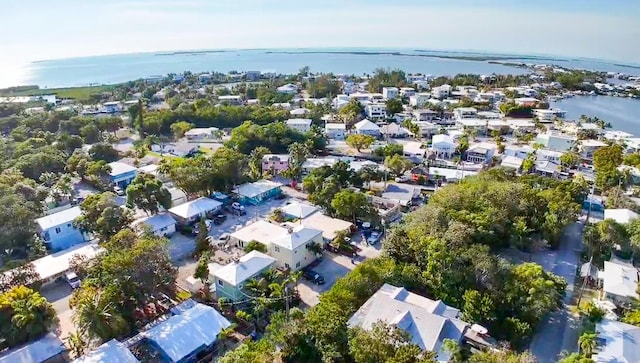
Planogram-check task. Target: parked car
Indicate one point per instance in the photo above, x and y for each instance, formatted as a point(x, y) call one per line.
point(217, 242)
point(196, 228)
point(403, 179)
point(237, 206)
point(72, 279)
point(374, 237)
point(119, 191)
point(219, 219)
point(313, 276)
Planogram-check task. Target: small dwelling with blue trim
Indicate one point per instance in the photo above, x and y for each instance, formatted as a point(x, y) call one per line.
point(58, 231)
point(230, 279)
point(258, 192)
point(193, 329)
point(122, 174)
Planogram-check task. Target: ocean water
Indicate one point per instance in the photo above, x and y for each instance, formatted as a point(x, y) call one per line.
point(623, 113)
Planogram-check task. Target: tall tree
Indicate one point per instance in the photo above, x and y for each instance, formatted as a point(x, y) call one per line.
point(394, 106)
point(606, 161)
point(255, 161)
point(102, 216)
point(148, 193)
point(359, 142)
point(353, 205)
point(103, 151)
point(179, 128)
point(398, 164)
point(24, 316)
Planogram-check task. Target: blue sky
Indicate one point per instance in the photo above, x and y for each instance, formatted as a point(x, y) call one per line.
point(39, 29)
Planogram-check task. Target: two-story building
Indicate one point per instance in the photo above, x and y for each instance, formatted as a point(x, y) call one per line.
point(557, 141)
point(335, 131)
point(419, 99)
point(58, 230)
point(588, 147)
point(376, 111)
point(275, 163)
point(480, 153)
point(425, 115)
point(122, 174)
point(443, 146)
point(389, 92)
point(462, 113)
point(231, 278)
point(366, 127)
point(302, 125)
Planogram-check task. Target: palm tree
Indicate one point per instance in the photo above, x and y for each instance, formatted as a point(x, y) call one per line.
point(96, 317)
point(587, 343)
point(255, 161)
point(76, 344)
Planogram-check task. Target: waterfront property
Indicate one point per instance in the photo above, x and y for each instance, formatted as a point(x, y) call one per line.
point(275, 163)
point(556, 140)
point(122, 174)
point(59, 231)
point(230, 279)
point(191, 212)
point(257, 192)
point(427, 322)
point(192, 329)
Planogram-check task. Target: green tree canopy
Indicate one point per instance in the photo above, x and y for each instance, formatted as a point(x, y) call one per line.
point(148, 193)
point(359, 141)
point(24, 316)
point(102, 216)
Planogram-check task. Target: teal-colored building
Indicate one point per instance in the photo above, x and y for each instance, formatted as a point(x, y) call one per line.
point(230, 279)
point(257, 192)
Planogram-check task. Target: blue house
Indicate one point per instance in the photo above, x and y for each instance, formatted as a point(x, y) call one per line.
point(257, 192)
point(122, 174)
point(230, 279)
point(58, 231)
point(193, 329)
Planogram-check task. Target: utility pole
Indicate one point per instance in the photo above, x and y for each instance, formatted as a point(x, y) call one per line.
point(286, 302)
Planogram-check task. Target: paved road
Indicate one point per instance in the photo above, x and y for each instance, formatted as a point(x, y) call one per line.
point(550, 339)
point(58, 294)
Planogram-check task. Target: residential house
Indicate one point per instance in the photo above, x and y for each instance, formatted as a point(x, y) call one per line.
point(549, 115)
point(291, 245)
point(376, 111)
point(425, 115)
point(112, 107)
point(298, 210)
point(162, 225)
point(230, 279)
point(557, 141)
point(389, 92)
point(315, 163)
point(518, 151)
point(59, 231)
point(406, 91)
point(302, 125)
point(404, 194)
point(192, 329)
point(512, 162)
point(252, 76)
point(230, 100)
point(480, 126)
point(178, 196)
point(329, 226)
point(549, 155)
point(289, 89)
point(257, 192)
point(462, 113)
point(180, 148)
point(275, 163)
point(111, 351)
point(335, 131)
point(191, 212)
point(618, 342)
point(547, 168)
point(619, 282)
point(480, 153)
point(414, 150)
point(48, 349)
point(427, 322)
point(388, 210)
point(201, 134)
point(419, 99)
point(441, 92)
point(366, 127)
point(394, 130)
point(122, 174)
point(527, 101)
point(299, 112)
point(588, 147)
point(622, 216)
point(427, 128)
point(442, 146)
point(357, 165)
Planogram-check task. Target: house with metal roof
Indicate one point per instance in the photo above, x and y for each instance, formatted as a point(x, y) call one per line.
point(191, 212)
point(111, 351)
point(122, 174)
point(617, 342)
point(622, 216)
point(59, 231)
point(162, 225)
point(366, 127)
point(49, 349)
point(230, 279)
point(257, 192)
point(619, 282)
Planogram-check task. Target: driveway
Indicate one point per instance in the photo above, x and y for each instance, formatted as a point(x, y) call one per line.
point(559, 330)
point(331, 268)
point(58, 294)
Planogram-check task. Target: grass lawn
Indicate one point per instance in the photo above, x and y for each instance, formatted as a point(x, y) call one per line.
point(76, 93)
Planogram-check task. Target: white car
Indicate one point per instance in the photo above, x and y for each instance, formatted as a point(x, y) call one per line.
point(237, 206)
point(119, 191)
point(373, 238)
point(72, 279)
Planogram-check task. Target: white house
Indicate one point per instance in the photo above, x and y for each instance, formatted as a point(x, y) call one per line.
point(622, 216)
point(291, 245)
point(442, 91)
point(111, 351)
point(548, 115)
point(376, 111)
point(299, 210)
point(394, 130)
point(414, 150)
point(389, 92)
point(619, 282)
point(425, 115)
point(480, 153)
point(289, 89)
point(299, 112)
point(179, 148)
point(462, 113)
point(201, 133)
point(302, 125)
point(419, 99)
point(511, 162)
point(443, 146)
point(556, 140)
point(588, 147)
point(407, 91)
point(162, 225)
point(336, 131)
point(428, 322)
point(366, 127)
point(191, 212)
point(617, 342)
point(315, 163)
point(230, 99)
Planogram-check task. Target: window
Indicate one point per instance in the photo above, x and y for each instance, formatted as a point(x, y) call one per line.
point(276, 248)
point(297, 264)
point(68, 225)
point(220, 283)
point(286, 265)
point(163, 228)
point(58, 230)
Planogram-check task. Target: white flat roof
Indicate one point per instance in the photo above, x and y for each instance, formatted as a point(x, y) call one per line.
point(329, 226)
point(119, 168)
point(251, 190)
point(442, 138)
point(195, 207)
point(201, 131)
point(111, 351)
point(313, 163)
point(622, 216)
point(58, 262)
point(620, 280)
point(299, 121)
point(335, 126)
point(57, 219)
point(250, 264)
point(261, 231)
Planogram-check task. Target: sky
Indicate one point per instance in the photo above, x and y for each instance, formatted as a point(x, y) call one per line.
point(45, 29)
